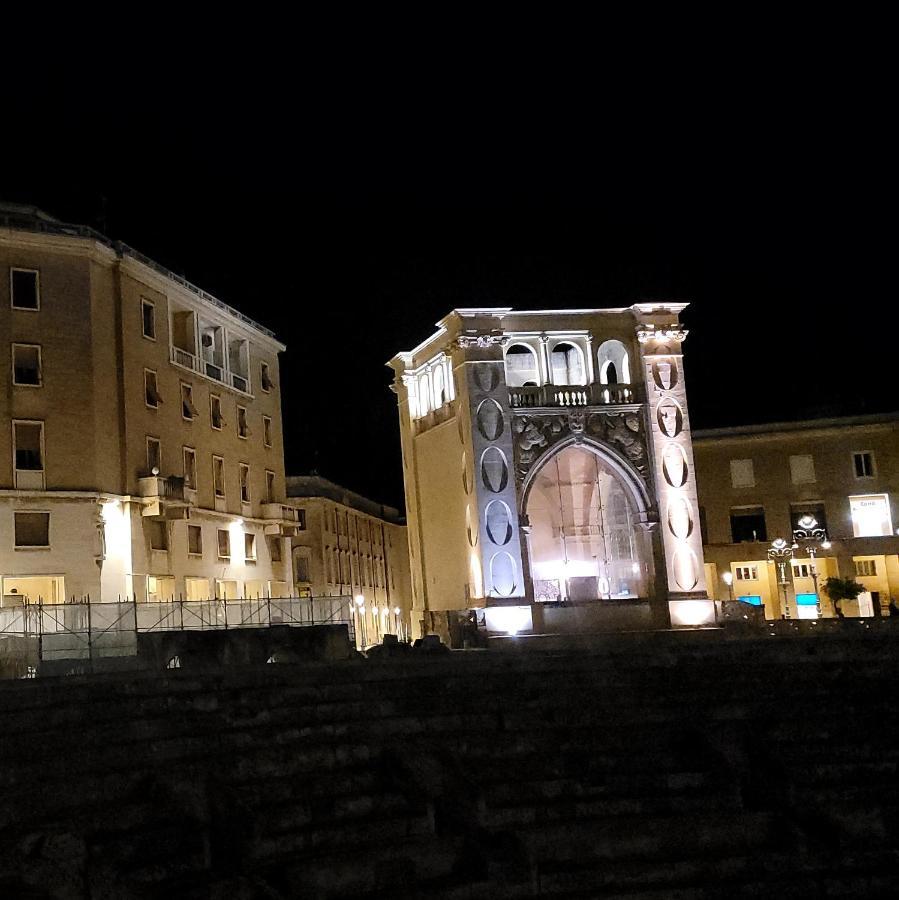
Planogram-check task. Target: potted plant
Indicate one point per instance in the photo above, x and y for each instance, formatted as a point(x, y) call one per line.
point(839, 589)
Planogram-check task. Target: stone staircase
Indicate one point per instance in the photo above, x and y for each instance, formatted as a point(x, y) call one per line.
point(639, 766)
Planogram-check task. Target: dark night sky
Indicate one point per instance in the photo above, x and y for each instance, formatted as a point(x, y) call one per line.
point(351, 241)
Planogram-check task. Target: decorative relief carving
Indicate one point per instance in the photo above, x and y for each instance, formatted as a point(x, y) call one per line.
point(621, 431)
point(644, 335)
point(481, 341)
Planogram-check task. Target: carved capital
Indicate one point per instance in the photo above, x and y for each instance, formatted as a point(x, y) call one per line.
point(661, 335)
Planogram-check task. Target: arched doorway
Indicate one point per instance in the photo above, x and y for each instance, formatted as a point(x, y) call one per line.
point(585, 543)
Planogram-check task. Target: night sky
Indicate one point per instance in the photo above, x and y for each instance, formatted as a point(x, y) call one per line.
point(352, 251)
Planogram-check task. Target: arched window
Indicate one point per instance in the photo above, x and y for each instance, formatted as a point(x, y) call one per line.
point(613, 363)
point(521, 366)
point(424, 395)
point(567, 364)
point(439, 388)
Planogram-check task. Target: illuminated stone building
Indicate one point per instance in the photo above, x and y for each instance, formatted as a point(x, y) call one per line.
point(549, 470)
point(350, 546)
point(762, 482)
point(140, 428)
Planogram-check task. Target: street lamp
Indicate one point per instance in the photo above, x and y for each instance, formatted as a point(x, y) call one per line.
point(780, 551)
point(728, 578)
point(811, 533)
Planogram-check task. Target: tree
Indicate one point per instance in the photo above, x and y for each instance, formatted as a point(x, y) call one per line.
point(839, 589)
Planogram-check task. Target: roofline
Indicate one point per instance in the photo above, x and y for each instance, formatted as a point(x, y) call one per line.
point(32, 219)
point(325, 489)
point(404, 357)
point(708, 434)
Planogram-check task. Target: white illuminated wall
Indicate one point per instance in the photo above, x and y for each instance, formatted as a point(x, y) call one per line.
point(672, 455)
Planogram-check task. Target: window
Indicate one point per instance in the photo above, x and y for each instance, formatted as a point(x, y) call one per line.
point(188, 410)
point(152, 397)
point(249, 547)
point(802, 570)
point(301, 519)
point(224, 543)
point(802, 469)
point(148, 318)
point(158, 534)
point(870, 515)
point(218, 476)
point(243, 430)
point(747, 523)
point(154, 455)
point(742, 473)
point(215, 412)
point(190, 468)
point(863, 463)
point(267, 431)
point(26, 365)
point(28, 442)
point(746, 573)
point(265, 379)
point(25, 288)
point(866, 567)
point(244, 483)
point(194, 540)
point(269, 487)
point(32, 529)
point(274, 548)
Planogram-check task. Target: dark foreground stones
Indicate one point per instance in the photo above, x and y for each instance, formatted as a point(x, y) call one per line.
point(648, 766)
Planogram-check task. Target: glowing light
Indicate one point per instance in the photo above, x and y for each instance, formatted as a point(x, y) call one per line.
point(728, 578)
point(692, 612)
point(826, 545)
point(360, 600)
point(508, 619)
point(396, 610)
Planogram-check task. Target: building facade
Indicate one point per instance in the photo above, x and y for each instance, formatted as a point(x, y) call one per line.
point(548, 470)
point(828, 486)
point(347, 545)
point(140, 428)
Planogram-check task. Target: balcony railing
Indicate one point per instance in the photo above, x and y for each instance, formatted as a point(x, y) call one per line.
point(183, 358)
point(217, 373)
point(566, 395)
point(154, 486)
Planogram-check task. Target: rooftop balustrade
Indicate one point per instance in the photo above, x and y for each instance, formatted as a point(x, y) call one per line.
point(567, 395)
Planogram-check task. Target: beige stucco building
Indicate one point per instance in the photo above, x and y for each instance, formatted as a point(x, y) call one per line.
point(348, 545)
point(762, 482)
point(140, 428)
point(549, 471)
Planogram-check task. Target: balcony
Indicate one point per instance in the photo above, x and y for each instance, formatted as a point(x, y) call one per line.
point(570, 395)
point(280, 519)
point(164, 497)
point(209, 370)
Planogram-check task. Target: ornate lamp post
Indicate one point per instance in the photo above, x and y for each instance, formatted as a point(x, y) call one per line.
point(813, 536)
point(780, 551)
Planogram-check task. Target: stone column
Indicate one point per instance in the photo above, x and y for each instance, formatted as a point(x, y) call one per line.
point(671, 453)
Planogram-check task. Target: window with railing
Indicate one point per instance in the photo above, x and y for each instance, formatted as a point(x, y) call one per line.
point(218, 476)
point(244, 483)
point(152, 397)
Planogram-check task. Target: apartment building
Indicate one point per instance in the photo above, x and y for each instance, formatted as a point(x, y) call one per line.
point(140, 428)
point(348, 545)
point(827, 488)
point(549, 472)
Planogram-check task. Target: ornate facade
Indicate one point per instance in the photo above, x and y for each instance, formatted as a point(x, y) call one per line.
point(549, 470)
